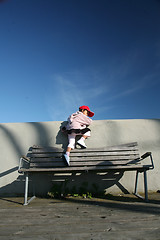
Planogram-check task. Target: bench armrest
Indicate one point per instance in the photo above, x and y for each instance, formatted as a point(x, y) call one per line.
point(148, 154)
point(26, 159)
point(23, 163)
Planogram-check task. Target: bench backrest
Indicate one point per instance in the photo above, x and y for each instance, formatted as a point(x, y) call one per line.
point(50, 157)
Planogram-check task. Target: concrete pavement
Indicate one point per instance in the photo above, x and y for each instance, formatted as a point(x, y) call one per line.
point(120, 217)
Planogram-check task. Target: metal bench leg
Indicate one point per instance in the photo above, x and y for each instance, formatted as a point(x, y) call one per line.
point(26, 201)
point(136, 183)
point(26, 190)
point(145, 186)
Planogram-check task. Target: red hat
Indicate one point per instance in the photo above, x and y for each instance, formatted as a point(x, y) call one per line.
point(90, 114)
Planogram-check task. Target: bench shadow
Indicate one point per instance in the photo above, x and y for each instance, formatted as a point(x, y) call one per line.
point(11, 170)
point(127, 205)
point(88, 181)
point(11, 201)
point(91, 181)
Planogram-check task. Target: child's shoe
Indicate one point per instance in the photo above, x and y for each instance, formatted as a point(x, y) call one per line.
point(81, 143)
point(67, 159)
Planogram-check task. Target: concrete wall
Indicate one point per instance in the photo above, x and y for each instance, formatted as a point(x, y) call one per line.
point(17, 138)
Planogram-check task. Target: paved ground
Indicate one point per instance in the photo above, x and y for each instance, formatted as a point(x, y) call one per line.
point(116, 218)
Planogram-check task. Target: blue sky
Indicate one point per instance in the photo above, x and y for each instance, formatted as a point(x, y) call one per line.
point(56, 55)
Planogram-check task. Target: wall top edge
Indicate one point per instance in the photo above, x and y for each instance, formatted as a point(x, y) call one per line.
point(103, 120)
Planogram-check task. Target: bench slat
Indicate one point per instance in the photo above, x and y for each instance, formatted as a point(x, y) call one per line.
point(106, 153)
point(104, 158)
point(85, 159)
point(48, 164)
point(81, 169)
point(130, 146)
point(81, 164)
point(85, 154)
point(46, 155)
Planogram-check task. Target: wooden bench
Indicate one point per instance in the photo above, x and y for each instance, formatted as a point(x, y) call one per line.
point(116, 158)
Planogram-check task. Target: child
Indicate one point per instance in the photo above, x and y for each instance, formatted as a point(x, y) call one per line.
point(77, 125)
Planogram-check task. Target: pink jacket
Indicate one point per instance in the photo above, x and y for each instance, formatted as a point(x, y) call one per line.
point(78, 121)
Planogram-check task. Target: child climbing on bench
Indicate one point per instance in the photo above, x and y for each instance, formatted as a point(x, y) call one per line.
point(78, 125)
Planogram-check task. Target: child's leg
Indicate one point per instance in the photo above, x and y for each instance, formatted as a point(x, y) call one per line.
point(87, 134)
point(71, 139)
point(71, 145)
point(82, 139)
